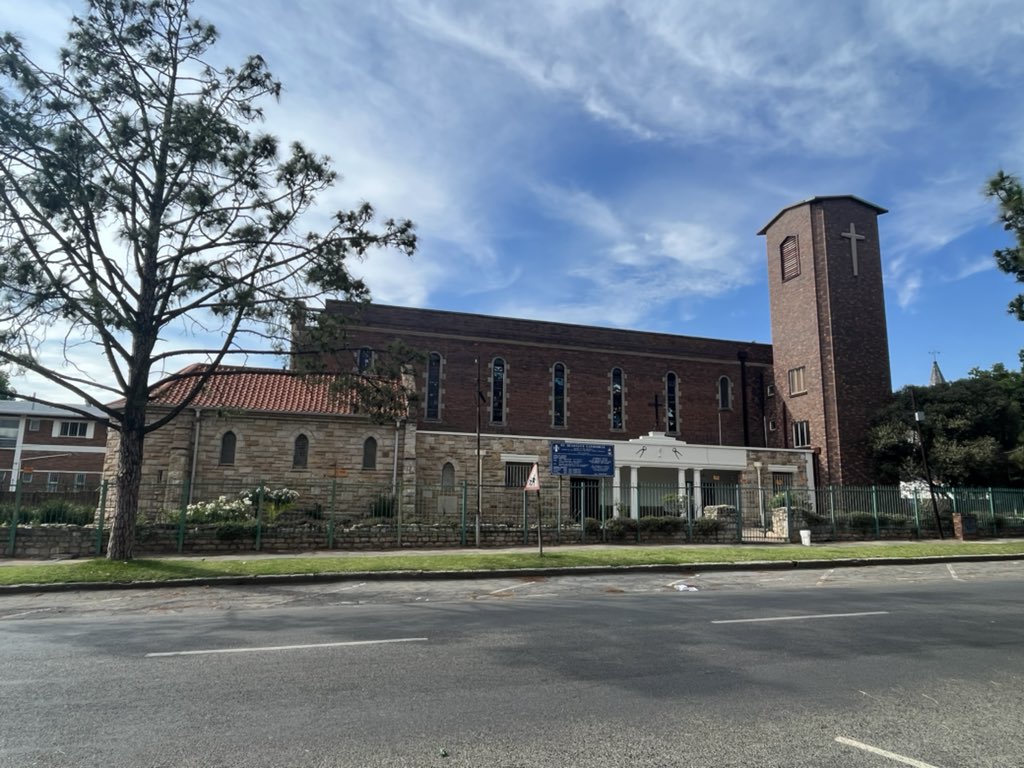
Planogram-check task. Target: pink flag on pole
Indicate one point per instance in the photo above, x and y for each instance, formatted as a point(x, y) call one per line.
point(533, 481)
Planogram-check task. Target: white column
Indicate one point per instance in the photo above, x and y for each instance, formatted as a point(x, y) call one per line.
point(617, 492)
point(698, 503)
point(681, 488)
point(634, 492)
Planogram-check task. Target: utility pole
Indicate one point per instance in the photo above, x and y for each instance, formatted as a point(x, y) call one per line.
point(918, 421)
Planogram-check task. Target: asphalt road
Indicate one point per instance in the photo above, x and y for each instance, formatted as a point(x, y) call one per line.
point(803, 668)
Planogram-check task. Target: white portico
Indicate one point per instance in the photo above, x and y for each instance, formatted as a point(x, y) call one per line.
point(666, 458)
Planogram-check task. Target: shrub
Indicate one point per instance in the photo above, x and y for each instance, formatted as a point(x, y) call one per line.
point(620, 527)
point(661, 524)
point(282, 497)
point(62, 511)
point(220, 510)
point(811, 518)
point(383, 506)
point(708, 526)
point(862, 522)
point(591, 526)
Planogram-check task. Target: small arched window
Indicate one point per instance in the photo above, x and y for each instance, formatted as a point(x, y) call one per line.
point(227, 447)
point(364, 360)
point(671, 403)
point(370, 453)
point(300, 452)
point(616, 413)
point(558, 395)
point(497, 391)
point(434, 386)
point(724, 394)
point(448, 476)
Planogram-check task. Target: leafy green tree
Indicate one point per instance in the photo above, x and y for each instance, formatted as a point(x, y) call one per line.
point(137, 202)
point(973, 432)
point(6, 390)
point(1007, 190)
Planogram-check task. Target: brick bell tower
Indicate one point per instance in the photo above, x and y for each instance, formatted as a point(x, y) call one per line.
point(829, 340)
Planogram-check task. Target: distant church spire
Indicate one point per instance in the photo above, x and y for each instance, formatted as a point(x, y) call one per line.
point(936, 377)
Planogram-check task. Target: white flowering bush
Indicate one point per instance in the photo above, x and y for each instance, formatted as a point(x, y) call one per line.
point(279, 499)
point(220, 510)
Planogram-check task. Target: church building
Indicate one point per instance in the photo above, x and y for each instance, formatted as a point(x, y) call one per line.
point(494, 394)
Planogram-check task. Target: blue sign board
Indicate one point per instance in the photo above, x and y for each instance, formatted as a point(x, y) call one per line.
point(583, 459)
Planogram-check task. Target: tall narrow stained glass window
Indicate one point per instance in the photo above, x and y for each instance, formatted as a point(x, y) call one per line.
point(671, 403)
point(558, 395)
point(616, 413)
point(498, 391)
point(434, 386)
point(724, 394)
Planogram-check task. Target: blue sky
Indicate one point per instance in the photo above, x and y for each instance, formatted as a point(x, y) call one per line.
point(610, 163)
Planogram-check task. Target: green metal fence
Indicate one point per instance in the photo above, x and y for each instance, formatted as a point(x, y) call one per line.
point(266, 515)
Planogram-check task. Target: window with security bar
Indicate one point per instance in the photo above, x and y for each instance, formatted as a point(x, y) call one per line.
point(517, 473)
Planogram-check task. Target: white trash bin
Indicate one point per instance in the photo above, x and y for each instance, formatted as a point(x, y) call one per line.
point(805, 537)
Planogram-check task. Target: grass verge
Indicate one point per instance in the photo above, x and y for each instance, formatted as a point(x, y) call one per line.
point(99, 570)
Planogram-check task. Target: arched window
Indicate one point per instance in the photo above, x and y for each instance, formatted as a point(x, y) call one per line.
point(434, 386)
point(227, 447)
point(671, 402)
point(724, 394)
point(370, 453)
point(558, 395)
point(616, 400)
point(448, 476)
point(300, 452)
point(364, 360)
point(497, 391)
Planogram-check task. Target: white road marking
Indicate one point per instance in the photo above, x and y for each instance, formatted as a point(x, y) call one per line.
point(543, 594)
point(351, 586)
point(799, 618)
point(24, 613)
point(952, 572)
point(288, 647)
point(827, 575)
point(884, 753)
point(514, 586)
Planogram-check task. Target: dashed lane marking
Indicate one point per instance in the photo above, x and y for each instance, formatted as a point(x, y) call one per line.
point(801, 618)
point(288, 647)
point(884, 753)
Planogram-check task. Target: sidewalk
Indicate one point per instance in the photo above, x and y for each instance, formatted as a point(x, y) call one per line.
point(456, 551)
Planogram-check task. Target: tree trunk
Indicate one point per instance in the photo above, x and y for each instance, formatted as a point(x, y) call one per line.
point(129, 478)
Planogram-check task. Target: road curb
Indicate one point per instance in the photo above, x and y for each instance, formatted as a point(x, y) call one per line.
point(584, 570)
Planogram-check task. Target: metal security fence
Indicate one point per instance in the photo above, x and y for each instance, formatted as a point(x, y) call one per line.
point(268, 515)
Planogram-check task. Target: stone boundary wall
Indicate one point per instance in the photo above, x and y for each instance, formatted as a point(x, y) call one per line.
point(56, 541)
point(45, 542)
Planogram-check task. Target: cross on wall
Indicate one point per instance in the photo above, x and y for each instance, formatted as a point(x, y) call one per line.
point(853, 237)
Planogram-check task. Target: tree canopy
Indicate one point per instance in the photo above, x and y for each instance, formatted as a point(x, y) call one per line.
point(6, 391)
point(1009, 193)
point(138, 207)
point(973, 431)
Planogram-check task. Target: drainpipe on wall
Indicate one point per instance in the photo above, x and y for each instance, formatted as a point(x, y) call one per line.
point(394, 468)
point(195, 456)
point(742, 356)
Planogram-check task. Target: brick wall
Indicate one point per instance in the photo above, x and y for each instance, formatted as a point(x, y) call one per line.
point(532, 348)
point(832, 323)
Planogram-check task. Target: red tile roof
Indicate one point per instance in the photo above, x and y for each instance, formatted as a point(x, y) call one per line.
point(257, 389)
